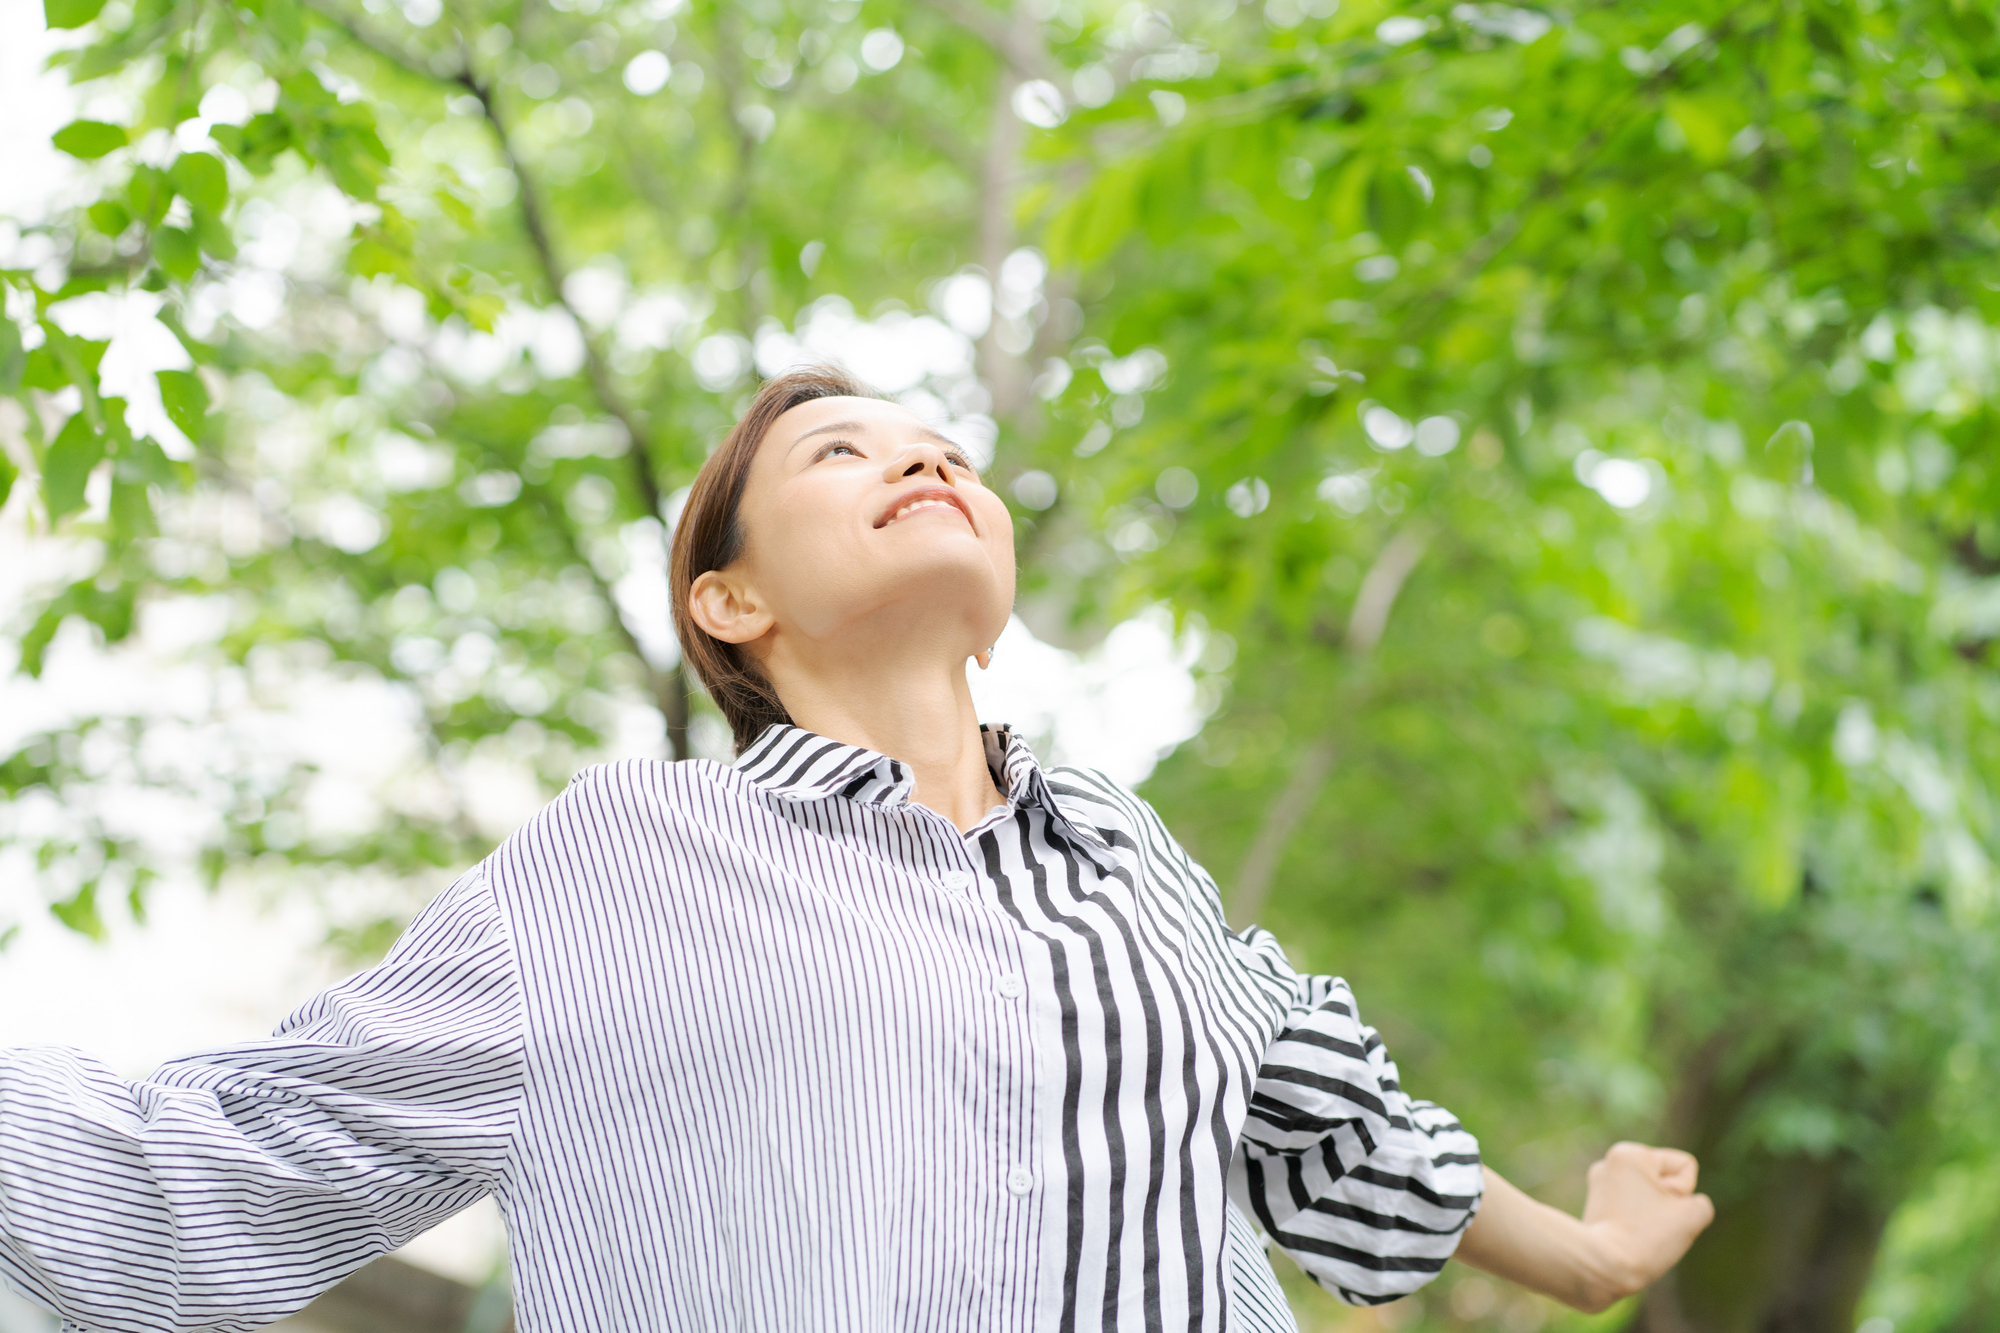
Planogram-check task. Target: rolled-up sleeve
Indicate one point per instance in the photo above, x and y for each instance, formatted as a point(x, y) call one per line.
point(233, 1186)
point(1366, 1187)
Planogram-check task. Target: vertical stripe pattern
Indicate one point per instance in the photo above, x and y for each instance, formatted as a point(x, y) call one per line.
point(771, 1045)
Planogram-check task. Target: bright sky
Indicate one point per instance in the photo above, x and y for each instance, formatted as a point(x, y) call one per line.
point(206, 970)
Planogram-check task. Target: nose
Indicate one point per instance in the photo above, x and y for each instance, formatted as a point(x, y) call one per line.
point(921, 459)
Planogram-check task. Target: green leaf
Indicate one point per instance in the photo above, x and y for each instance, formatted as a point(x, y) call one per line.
point(117, 435)
point(357, 160)
point(257, 144)
point(304, 91)
point(1099, 220)
point(113, 610)
point(35, 643)
point(174, 97)
point(88, 139)
point(131, 508)
point(76, 450)
point(110, 217)
point(1701, 120)
point(481, 309)
point(70, 13)
point(89, 352)
point(455, 208)
point(41, 370)
point(82, 283)
point(135, 897)
point(148, 193)
point(8, 473)
point(1347, 199)
point(214, 236)
point(144, 463)
point(13, 360)
point(80, 913)
point(177, 252)
point(1394, 204)
point(200, 179)
point(186, 400)
point(369, 257)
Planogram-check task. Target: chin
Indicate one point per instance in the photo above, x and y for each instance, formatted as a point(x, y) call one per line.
point(948, 582)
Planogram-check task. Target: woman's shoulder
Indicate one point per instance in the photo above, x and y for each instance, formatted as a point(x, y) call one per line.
point(1093, 798)
point(655, 777)
point(629, 794)
point(626, 811)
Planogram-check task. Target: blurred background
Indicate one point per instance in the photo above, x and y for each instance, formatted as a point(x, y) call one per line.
point(1515, 484)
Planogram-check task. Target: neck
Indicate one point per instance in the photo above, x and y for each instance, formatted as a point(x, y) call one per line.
point(913, 706)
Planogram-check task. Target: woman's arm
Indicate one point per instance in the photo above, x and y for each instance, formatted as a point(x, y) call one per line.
point(232, 1187)
point(1639, 1218)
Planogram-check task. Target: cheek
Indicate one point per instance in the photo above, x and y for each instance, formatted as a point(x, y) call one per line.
point(999, 527)
point(811, 561)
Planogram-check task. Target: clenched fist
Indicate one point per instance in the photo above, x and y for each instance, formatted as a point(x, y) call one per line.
point(1644, 1212)
point(1638, 1220)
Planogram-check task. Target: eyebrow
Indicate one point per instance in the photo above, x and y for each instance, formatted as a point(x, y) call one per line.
point(861, 427)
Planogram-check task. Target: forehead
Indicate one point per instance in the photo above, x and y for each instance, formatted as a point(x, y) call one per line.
point(867, 414)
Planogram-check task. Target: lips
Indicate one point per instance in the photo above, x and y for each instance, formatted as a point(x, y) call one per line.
point(921, 499)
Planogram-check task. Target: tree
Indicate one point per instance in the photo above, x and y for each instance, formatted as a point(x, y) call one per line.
point(1575, 422)
point(1643, 354)
point(463, 299)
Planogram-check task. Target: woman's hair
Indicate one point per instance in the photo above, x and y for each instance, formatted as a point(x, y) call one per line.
point(710, 536)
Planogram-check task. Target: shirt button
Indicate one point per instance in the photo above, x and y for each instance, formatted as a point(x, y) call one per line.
point(1010, 986)
point(1020, 1180)
point(958, 881)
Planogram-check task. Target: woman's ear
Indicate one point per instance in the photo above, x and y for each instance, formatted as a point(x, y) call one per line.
point(727, 608)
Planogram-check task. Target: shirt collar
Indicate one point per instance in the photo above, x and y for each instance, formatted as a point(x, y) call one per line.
point(799, 765)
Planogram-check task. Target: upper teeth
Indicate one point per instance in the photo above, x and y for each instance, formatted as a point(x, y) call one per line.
point(921, 504)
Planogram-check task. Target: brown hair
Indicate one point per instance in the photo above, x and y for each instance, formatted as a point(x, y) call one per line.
point(710, 536)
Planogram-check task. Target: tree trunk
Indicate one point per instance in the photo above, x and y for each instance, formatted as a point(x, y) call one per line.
point(1795, 1236)
point(1790, 1252)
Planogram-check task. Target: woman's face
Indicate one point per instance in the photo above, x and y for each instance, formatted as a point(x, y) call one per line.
point(860, 519)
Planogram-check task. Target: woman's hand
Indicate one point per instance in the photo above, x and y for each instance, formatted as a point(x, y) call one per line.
point(1638, 1220)
point(1643, 1213)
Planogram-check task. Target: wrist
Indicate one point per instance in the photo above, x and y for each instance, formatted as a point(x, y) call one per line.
point(1605, 1272)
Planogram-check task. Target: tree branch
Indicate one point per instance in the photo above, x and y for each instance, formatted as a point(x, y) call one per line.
point(1365, 625)
point(438, 69)
point(1005, 376)
point(672, 694)
point(670, 688)
point(534, 220)
point(1013, 42)
point(729, 74)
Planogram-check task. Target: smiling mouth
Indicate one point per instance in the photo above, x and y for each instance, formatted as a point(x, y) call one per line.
point(933, 498)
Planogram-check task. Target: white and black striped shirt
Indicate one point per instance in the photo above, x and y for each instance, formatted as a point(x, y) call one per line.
point(770, 1046)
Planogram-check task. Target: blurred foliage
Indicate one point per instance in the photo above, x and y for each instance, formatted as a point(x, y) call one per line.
point(1572, 427)
point(1662, 333)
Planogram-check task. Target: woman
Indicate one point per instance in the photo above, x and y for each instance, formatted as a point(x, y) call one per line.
point(881, 1027)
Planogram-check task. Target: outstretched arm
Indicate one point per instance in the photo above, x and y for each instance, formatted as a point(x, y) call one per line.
point(232, 1187)
point(1638, 1220)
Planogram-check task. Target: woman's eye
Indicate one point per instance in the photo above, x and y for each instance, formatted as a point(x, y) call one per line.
point(960, 460)
point(833, 449)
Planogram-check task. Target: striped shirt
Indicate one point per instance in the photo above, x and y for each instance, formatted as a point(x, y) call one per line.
point(771, 1045)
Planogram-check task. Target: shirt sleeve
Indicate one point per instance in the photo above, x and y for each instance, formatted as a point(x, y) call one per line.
point(232, 1187)
point(1366, 1187)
